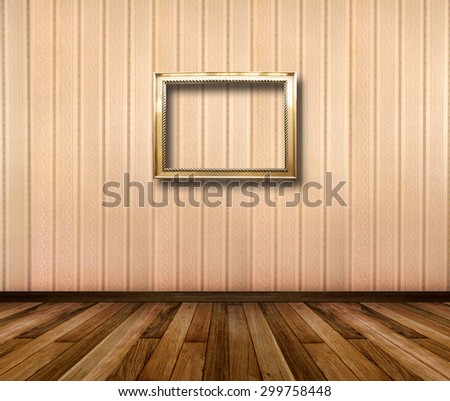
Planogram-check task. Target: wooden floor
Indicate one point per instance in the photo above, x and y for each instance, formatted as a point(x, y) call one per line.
point(224, 341)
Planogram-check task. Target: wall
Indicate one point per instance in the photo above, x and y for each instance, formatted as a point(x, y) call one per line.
point(76, 81)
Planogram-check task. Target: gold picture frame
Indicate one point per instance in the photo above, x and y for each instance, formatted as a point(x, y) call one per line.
point(289, 81)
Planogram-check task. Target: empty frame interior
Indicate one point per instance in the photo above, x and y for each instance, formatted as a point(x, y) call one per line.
point(202, 132)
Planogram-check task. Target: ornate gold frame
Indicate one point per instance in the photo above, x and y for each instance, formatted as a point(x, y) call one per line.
point(289, 80)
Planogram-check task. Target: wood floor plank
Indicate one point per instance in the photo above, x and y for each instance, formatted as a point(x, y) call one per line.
point(299, 360)
point(362, 367)
point(28, 367)
point(424, 318)
point(8, 305)
point(133, 363)
point(199, 328)
point(401, 348)
point(35, 345)
point(434, 347)
point(437, 310)
point(106, 356)
point(158, 327)
point(16, 308)
point(337, 324)
point(82, 330)
point(243, 363)
point(43, 328)
point(301, 329)
point(272, 364)
point(383, 360)
point(116, 314)
point(40, 316)
point(19, 316)
point(423, 329)
point(329, 363)
point(11, 345)
point(190, 362)
point(392, 324)
point(217, 362)
point(161, 363)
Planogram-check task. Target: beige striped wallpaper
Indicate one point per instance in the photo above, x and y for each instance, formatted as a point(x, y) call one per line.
point(76, 111)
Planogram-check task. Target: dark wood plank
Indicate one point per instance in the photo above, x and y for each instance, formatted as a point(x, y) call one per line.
point(434, 347)
point(341, 327)
point(272, 363)
point(301, 329)
point(329, 363)
point(63, 317)
point(217, 363)
point(362, 367)
point(158, 327)
point(199, 328)
point(162, 362)
point(60, 365)
point(135, 360)
point(383, 360)
point(226, 296)
point(392, 324)
point(300, 362)
point(243, 362)
point(190, 362)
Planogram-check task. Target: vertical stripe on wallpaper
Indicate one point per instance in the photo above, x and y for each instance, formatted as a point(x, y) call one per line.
point(400, 150)
point(3, 149)
point(77, 111)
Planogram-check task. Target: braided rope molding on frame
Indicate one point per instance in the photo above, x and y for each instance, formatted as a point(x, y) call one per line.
point(224, 80)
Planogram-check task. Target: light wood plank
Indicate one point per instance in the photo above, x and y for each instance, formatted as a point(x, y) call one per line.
point(116, 315)
point(441, 309)
point(41, 316)
point(415, 360)
point(332, 367)
point(11, 345)
point(355, 360)
point(105, 357)
point(161, 363)
point(426, 330)
point(43, 328)
point(301, 329)
point(14, 308)
point(190, 362)
point(434, 347)
point(28, 367)
point(45, 339)
point(243, 363)
point(199, 328)
point(385, 361)
point(135, 360)
point(84, 329)
point(272, 364)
